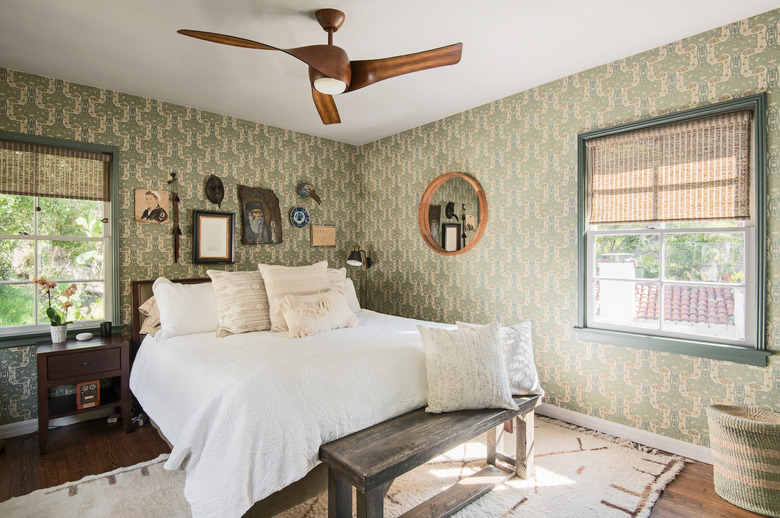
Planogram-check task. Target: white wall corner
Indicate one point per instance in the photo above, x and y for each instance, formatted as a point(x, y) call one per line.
point(653, 440)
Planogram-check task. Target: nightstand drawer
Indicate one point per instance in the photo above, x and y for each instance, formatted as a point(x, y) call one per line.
point(88, 362)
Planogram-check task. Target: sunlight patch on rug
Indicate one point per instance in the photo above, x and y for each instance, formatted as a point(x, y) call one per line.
point(579, 473)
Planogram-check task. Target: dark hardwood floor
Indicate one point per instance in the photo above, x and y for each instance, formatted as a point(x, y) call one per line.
point(94, 447)
point(73, 452)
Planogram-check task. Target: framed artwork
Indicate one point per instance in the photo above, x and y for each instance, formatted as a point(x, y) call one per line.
point(450, 237)
point(261, 214)
point(434, 220)
point(323, 235)
point(212, 236)
point(151, 206)
point(471, 223)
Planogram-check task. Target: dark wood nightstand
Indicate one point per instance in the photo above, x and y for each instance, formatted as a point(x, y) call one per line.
point(73, 362)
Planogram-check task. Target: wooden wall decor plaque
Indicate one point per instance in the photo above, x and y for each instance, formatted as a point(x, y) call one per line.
point(323, 235)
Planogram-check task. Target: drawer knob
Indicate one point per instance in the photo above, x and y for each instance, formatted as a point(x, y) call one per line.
point(85, 364)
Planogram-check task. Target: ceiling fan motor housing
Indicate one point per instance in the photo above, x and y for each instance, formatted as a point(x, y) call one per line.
point(330, 20)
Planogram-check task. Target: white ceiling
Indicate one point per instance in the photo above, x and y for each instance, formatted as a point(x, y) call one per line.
point(508, 46)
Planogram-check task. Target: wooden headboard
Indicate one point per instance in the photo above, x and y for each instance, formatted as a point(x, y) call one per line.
point(140, 293)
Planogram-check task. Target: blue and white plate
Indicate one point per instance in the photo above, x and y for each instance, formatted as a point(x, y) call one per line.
point(299, 217)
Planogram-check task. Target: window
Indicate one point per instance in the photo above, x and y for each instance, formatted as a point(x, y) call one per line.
point(672, 225)
point(54, 213)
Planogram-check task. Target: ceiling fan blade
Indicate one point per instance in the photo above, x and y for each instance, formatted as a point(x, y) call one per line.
point(328, 59)
point(225, 39)
point(326, 107)
point(370, 71)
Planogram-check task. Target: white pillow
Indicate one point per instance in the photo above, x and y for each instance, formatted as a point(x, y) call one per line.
point(465, 369)
point(281, 281)
point(519, 356)
point(242, 304)
point(185, 308)
point(307, 315)
point(337, 278)
point(352, 299)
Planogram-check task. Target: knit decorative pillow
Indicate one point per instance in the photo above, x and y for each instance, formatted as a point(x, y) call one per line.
point(465, 369)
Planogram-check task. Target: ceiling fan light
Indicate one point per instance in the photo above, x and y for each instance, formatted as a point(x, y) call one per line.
point(329, 86)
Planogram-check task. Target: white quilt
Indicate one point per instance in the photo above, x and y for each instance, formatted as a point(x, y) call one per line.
point(247, 413)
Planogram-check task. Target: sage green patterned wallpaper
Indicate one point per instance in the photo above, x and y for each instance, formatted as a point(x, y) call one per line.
point(522, 149)
point(155, 139)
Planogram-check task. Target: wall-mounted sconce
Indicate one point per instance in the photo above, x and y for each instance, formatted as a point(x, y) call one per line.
point(359, 257)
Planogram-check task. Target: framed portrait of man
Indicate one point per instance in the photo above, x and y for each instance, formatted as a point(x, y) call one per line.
point(434, 220)
point(151, 206)
point(261, 215)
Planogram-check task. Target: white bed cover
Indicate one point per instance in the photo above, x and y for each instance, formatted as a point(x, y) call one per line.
point(247, 413)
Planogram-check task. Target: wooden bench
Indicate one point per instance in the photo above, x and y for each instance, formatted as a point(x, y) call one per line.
point(372, 458)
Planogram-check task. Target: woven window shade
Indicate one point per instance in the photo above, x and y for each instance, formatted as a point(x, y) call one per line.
point(34, 170)
point(692, 170)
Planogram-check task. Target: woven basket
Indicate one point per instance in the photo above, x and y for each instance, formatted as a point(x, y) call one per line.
point(745, 444)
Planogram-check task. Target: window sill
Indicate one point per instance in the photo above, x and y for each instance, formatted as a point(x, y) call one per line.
point(715, 351)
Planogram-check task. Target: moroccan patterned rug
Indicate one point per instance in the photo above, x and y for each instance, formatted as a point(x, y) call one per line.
point(579, 473)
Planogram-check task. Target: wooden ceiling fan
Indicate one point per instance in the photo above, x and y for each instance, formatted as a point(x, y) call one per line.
point(330, 70)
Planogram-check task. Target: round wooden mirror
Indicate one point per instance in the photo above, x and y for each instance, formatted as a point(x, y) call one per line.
point(453, 213)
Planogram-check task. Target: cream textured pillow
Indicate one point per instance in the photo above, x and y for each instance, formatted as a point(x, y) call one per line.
point(185, 308)
point(307, 315)
point(151, 312)
point(519, 356)
point(281, 281)
point(242, 304)
point(465, 369)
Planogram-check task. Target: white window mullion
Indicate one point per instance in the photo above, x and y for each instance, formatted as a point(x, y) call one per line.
point(37, 266)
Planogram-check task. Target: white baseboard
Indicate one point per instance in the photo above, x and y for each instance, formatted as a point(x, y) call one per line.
point(31, 425)
point(653, 440)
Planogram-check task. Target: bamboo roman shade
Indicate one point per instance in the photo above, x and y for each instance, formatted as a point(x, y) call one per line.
point(697, 169)
point(35, 170)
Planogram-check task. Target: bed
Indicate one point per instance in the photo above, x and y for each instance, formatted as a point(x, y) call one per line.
point(198, 390)
point(246, 413)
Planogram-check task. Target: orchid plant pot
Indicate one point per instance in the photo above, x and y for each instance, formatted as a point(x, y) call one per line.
point(59, 333)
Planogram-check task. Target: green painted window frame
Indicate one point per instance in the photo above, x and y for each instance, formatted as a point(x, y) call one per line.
point(691, 347)
point(32, 338)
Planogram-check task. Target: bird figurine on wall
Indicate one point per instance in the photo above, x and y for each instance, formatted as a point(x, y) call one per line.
point(307, 191)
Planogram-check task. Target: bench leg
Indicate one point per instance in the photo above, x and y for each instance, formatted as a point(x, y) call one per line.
point(371, 504)
point(491, 447)
point(339, 496)
point(524, 445)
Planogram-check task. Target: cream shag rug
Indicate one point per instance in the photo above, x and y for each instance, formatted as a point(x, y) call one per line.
point(579, 473)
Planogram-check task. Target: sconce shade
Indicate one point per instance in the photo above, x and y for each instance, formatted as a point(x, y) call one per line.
point(354, 259)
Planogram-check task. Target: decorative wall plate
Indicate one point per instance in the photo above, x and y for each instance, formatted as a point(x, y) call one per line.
point(299, 217)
